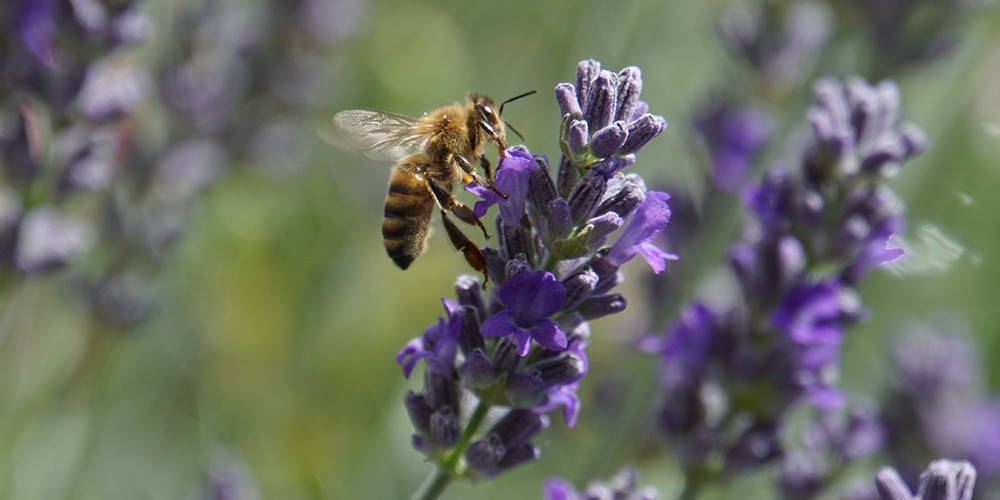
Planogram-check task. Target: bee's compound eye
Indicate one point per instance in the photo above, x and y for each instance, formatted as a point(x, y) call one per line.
point(487, 111)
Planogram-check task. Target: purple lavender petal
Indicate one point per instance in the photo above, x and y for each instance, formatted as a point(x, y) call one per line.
point(530, 297)
point(512, 180)
point(500, 324)
point(649, 219)
point(548, 334)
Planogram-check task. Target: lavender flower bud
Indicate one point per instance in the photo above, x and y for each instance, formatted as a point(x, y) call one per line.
point(495, 265)
point(560, 219)
point(470, 293)
point(477, 369)
point(598, 228)
point(566, 97)
point(513, 239)
point(599, 307)
point(623, 196)
point(506, 445)
point(608, 140)
point(607, 273)
point(419, 411)
point(599, 109)
point(579, 137)
point(641, 131)
point(567, 177)
point(440, 391)
point(586, 73)
point(518, 426)
point(505, 356)
point(541, 189)
point(445, 428)
point(628, 92)
point(516, 266)
point(585, 196)
point(578, 287)
point(485, 454)
point(561, 370)
point(469, 338)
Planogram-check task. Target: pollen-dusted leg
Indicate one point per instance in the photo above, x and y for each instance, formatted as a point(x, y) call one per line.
point(471, 172)
point(447, 202)
point(473, 255)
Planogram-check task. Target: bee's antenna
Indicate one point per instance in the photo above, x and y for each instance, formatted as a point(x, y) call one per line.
point(512, 129)
point(526, 94)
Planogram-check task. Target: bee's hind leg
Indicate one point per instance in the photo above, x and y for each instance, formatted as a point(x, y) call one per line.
point(473, 255)
point(448, 203)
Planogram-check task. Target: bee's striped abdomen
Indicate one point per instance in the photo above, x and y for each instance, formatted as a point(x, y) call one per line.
point(407, 215)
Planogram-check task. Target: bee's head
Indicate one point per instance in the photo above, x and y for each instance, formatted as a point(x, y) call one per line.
point(488, 115)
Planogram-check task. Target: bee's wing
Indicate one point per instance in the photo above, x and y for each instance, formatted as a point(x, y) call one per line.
point(380, 136)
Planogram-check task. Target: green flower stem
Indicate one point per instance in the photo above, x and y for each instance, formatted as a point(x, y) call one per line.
point(441, 476)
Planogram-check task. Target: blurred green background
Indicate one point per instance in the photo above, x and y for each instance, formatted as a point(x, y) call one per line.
point(273, 345)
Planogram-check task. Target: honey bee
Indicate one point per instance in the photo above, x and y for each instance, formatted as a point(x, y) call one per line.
point(431, 154)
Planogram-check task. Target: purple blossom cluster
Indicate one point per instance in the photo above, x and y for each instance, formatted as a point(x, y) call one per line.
point(501, 361)
point(733, 375)
point(107, 134)
point(623, 486)
point(733, 135)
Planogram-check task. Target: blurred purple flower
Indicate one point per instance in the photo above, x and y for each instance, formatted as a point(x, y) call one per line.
point(733, 137)
point(623, 486)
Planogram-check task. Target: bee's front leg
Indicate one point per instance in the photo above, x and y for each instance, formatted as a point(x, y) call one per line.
point(469, 170)
point(483, 162)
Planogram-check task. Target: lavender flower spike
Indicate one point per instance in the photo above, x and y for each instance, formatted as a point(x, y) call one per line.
point(520, 351)
point(528, 300)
